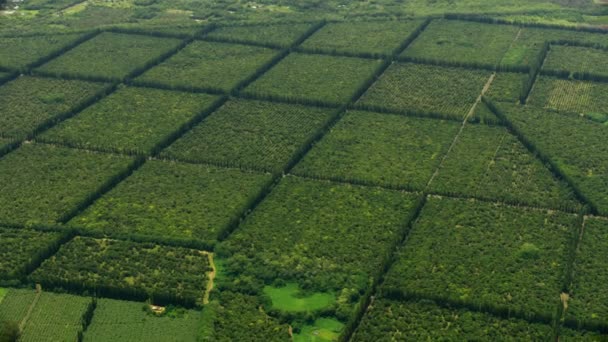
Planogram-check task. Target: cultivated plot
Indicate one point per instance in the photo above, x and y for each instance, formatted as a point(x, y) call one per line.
point(276, 35)
point(462, 42)
point(31, 103)
point(507, 86)
point(365, 37)
point(315, 78)
point(380, 149)
point(22, 249)
point(585, 98)
point(117, 320)
point(40, 184)
point(488, 162)
point(118, 268)
point(251, 134)
point(391, 320)
point(134, 120)
point(15, 304)
point(110, 56)
point(208, 66)
point(576, 59)
point(575, 145)
point(486, 255)
point(426, 89)
point(22, 52)
point(169, 201)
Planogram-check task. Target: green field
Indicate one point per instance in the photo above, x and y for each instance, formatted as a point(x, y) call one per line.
point(303, 170)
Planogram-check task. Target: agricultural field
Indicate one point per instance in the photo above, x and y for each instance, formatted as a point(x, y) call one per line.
point(462, 43)
point(110, 56)
point(575, 59)
point(426, 90)
point(117, 320)
point(264, 171)
point(273, 35)
point(168, 201)
point(489, 162)
point(584, 98)
point(31, 103)
point(131, 120)
point(376, 149)
point(119, 268)
point(22, 52)
point(208, 66)
point(255, 135)
point(315, 78)
point(374, 38)
point(40, 184)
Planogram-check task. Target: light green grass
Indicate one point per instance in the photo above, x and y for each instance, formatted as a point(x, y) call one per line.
point(3, 293)
point(289, 298)
point(323, 329)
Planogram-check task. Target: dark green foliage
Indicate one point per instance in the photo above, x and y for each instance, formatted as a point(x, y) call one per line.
point(535, 68)
point(117, 320)
point(575, 147)
point(29, 104)
point(372, 38)
point(588, 304)
point(479, 254)
point(490, 163)
point(110, 56)
point(208, 66)
point(133, 120)
point(167, 200)
point(272, 35)
point(314, 79)
point(23, 250)
point(463, 42)
point(380, 149)
point(41, 183)
point(22, 52)
point(9, 330)
point(323, 235)
point(432, 90)
point(391, 320)
point(251, 134)
point(127, 270)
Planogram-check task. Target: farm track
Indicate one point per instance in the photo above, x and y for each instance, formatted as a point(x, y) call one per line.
point(30, 309)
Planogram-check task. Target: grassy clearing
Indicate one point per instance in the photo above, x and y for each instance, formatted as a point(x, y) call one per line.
point(321, 330)
point(290, 298)
point(3, 293)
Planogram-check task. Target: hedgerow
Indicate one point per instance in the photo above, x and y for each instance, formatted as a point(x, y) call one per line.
point(22, 52)
point(209, 66)
point(426, 89)
point(483, 255)
point(314, 79)
point(378, 149)
point(39, 184)
point(391, 320)
point(463, 42)
point(133, 120)
point(127, 270)
point(490, 163)
point(30, 104)
point(163, 201)
point(111, 56)
point(251, 134)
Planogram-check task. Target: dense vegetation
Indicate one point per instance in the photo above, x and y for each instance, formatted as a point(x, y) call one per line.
point(507, 86)
point(116, 320)
point(500, 258)
point(576, 59)
point(390, 320)
point(133, 120)
point(167, 201)
point(378, 149)
point(29, 104)
point(22, 52)
point(276, 35)
point(490, 163)
point(366, 37)
point(430, 90)
point(208, 65)
point(251, 134)
point(110, 56)
point(315, 78)
point(126, 269)
point(43, 183)
point(462, 43)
